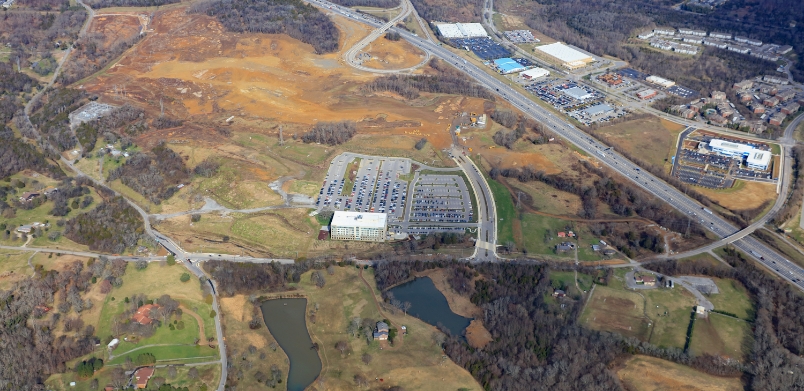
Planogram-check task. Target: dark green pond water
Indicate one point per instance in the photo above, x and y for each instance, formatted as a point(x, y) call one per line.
point(286, 322)
point(429, 305)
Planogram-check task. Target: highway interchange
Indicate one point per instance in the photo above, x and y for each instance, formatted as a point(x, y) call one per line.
point(652, 184)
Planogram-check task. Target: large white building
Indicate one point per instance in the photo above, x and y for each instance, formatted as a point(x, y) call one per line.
point(661, 81)
point(365, 227)
point(462, 30)
point(567, 56)
point(534, 73)
point(754, 158)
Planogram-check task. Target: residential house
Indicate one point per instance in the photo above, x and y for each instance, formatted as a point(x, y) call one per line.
point(757, 108)
point(777, 119)
point(24, 229)
point(743, 85)
point(29, 196)
point(717, 119)
point(769, 90)
point(565, 246)
point(771, 101)
point(143, 315)
point(381, 332)
point(595, 247)
point(791, 108)
point(559, 293)
point(649, 280)
point(744, 96)
point(786, 95)
point(142, 375)
point(562, 234)
point(609, 252)
point(725, 109)
point(718, 95)
point(688, 114)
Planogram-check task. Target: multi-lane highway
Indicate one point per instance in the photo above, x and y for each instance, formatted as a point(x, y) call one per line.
point(719, 226)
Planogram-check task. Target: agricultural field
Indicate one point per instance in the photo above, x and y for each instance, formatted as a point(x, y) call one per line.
point(722, 336)
point(413, 360)
point(652, 140)
point(643, 373)
point(13, 267)
point(733, 298)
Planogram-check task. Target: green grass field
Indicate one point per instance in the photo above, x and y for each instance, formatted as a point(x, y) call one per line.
point(733, 298)
point(670, 311)
point(179, 354)
point(567, 279)
point(722, 336)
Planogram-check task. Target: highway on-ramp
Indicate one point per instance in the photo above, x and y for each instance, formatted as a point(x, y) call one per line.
point(650, 183)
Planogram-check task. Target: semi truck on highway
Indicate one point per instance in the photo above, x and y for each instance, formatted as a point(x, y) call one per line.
point(707, 211)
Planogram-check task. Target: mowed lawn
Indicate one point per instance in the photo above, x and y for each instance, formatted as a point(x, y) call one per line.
point(670, 311)
point(643, 373)
point(154, 281)
point(733, 298)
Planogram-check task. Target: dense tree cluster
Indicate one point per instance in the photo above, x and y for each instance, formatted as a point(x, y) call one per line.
point(154, 175)
point(775, 362)
point(331, 133)
point(52, 118)
point(17, 155)
point(447, 81)
point(292, 17)
point(604, 27)
point(29, 350)
point(242, 278)
point(28, 33)
point(12, 85)
point(111, 227)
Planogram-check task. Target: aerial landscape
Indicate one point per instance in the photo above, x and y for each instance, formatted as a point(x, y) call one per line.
point(401, 195)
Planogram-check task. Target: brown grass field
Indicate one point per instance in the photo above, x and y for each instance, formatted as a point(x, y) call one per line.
point(643, 373)
point(617, 311)
point(744, 195)
point(722, 336)
point(652, 140)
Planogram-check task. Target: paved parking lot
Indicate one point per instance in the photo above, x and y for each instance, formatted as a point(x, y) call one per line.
point(441, 199)
point(371, 184)
point(484, 47)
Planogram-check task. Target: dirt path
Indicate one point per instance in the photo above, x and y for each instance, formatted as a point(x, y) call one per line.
point(201, 334)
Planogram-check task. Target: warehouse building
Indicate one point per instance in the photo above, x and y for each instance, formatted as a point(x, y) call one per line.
point(661, 81)
point(598, 110)
point(508, 65)
point(462, 30)
point(566, 56)
point(578, 93)
point(534, 73)
point(365, 227)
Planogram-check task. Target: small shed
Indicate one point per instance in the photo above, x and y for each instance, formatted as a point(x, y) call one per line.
point(113, 344)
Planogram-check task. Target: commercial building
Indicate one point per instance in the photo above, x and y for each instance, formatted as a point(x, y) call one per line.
point(612, 79)
point(661, 81)
point(534, 73)
point(578, 93)
point(598, 110)
point(565, 55)
point(754, 158)
point(366, 227)
point(508, 65)
point(647, 94)
point(461, 30)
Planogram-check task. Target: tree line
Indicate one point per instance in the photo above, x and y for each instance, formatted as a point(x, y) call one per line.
point(368, 3)
point(111, 227)
point(330, 133)
point(292, 17)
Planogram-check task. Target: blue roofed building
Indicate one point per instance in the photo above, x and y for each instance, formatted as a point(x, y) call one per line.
point(508, 65)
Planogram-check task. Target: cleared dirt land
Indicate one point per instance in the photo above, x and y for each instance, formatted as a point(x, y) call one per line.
point(652, 139)
point(386, 54)
point(642, 373)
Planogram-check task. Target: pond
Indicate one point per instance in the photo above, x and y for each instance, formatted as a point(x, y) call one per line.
point(285, 319)
point(430, 305)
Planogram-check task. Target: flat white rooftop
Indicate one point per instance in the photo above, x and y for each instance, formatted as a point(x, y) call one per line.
point(535, 72)
point(758, 158)
point(564, 53)
point(462, 30)
point(359, 219)
point(730, 146)
point(578, 93)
